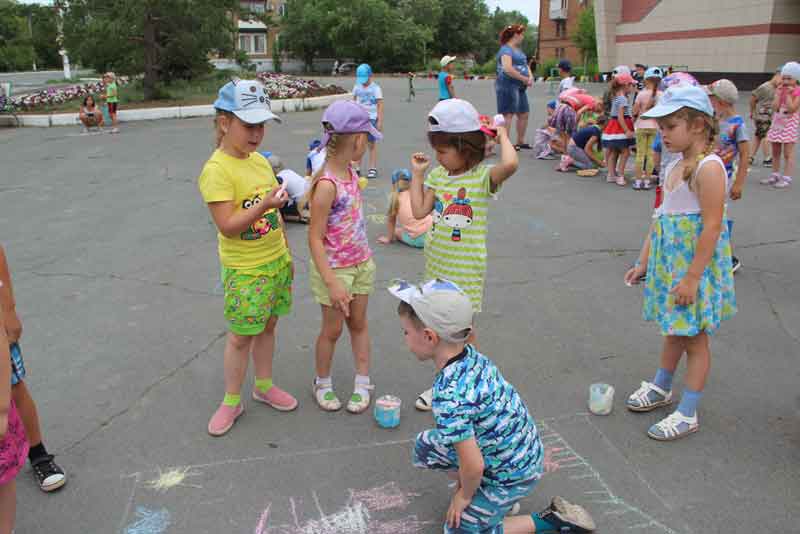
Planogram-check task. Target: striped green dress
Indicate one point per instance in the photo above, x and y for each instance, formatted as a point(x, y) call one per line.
point(455, 248)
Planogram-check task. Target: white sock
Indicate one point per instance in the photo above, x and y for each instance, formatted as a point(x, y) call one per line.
point(362, 385)
point(324, 384)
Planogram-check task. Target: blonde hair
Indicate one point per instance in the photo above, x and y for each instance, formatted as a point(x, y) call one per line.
point(394, 200)
point(711, 127)
point(218, 132)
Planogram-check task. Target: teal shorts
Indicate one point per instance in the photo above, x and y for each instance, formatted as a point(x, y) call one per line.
point(253, 296)
point(416, 242)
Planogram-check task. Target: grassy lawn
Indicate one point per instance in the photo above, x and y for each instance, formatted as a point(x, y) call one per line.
point(180, 93)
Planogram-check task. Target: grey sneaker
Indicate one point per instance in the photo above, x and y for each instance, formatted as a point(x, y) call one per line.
point(674, 426)
point(567, 517)
point(648, 397)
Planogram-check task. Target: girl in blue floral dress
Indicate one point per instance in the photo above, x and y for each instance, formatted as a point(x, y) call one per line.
point(687, 259)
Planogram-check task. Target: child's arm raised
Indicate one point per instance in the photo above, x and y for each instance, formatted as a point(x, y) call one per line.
point(509, 160)
point(711, 193)
point(322, 199)
point(470, 472)
point(421, 199)
point(232, 222)
point(13, 326)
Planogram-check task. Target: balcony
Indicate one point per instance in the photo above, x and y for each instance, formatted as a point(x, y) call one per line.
point(558, 10)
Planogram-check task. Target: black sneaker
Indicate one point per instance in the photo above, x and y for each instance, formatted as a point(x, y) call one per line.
point(736, 263)
point(567, 518)
point(767, 162)
point(48, 473)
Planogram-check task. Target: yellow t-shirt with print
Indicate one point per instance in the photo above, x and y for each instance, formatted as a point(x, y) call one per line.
point(245, 182)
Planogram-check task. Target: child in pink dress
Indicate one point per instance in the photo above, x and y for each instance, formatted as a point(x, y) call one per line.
point(783, 134)
point(13, 444)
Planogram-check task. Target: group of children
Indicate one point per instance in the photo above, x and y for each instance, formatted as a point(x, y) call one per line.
point(774, 109)
point(451, 206)
point(91, 116)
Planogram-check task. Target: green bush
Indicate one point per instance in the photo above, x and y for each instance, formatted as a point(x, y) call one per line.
point(486, 69)
point(545, 68)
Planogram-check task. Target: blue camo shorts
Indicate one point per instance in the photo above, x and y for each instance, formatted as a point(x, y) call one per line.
point(17, 364)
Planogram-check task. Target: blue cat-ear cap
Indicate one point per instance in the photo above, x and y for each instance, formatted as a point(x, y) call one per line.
point(681, 96)
point(400, 174)
point(248, 100)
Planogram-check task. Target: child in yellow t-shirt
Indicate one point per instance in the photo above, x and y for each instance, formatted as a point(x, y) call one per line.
point(243, 197)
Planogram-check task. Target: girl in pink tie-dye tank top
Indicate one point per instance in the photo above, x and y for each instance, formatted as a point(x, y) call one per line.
point(342, 272)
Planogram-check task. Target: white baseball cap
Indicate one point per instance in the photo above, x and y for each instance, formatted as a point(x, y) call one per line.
point(248, 100)
point(446, 60)
point(441, 305)
point(454, 116)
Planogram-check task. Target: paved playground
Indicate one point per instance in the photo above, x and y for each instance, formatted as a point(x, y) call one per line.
point(115, 268)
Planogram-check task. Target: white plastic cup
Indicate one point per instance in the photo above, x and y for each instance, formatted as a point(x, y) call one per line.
point(387, 411)
point(601, 399)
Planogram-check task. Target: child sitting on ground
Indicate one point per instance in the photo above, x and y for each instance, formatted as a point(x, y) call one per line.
point(296, 209)
point(484, 437)
point(410, 231)
point(582, 150)
point(315, 158)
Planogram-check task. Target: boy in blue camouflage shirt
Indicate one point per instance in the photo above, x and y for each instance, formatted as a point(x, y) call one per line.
point(484, 434)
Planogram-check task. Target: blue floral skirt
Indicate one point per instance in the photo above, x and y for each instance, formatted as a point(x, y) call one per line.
point(672, 248)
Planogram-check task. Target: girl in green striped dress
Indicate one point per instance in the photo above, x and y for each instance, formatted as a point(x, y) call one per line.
point(458, 193)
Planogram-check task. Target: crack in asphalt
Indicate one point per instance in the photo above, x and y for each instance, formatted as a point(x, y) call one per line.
point(113, 417)
point(774, 310)
point(112, 276)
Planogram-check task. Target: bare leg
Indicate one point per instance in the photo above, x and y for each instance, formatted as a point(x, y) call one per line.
point(264, 349)
point(237, 354)
point(611, 161)
point(776, 158)
point(519, 524)
point(359, 334)
point(765, 147)
point(789, 159)
point(698, 361)
point(623, 160)
point(759, 145)
point(332, 323)
point(672, 351)
point(373, 155)
point(522, 127)
point(28, 413)
point(8, 506)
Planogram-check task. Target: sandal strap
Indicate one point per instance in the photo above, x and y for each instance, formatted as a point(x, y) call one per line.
point(641, 394)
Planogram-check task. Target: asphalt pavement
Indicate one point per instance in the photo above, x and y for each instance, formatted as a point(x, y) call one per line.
point(116, 275)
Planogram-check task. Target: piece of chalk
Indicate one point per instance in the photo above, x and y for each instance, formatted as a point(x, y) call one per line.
point(499, 120)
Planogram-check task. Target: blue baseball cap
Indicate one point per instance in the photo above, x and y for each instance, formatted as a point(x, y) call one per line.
point(363, 72)
point(314, 144)
point(400, 174)
point(248, 100)
point(564, 64)
point(552, 104)
point(681, 96)
point(654, 72)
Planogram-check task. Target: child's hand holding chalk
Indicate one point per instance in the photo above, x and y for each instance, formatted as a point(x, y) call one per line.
point(499, 120)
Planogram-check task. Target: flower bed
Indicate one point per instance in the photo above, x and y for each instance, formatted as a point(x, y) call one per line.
point(59, 95)
point(284, 86)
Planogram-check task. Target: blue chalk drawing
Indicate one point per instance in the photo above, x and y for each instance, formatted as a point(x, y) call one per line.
point(149, 521)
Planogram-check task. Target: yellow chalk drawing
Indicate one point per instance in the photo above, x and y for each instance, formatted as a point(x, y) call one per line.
point(171, 478)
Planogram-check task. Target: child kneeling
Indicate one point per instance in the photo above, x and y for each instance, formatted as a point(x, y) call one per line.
point(484, 434)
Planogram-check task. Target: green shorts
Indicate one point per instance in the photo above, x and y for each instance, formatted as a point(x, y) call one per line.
point(357, 280)
point(253, 296)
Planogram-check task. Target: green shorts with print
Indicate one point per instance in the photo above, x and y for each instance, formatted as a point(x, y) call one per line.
point(252, 296)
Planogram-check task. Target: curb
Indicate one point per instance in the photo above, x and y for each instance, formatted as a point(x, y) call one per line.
point(288, 105)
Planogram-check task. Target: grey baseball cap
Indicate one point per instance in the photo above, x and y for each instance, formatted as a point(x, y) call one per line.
point(441, 305)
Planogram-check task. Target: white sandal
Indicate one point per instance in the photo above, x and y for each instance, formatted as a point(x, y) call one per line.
point(358, 403)
point(648, 397)
point(327, 401)
point(674, 426)
point(425, 401)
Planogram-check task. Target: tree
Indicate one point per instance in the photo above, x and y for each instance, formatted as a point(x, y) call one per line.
point(16, 48)
point(165, 39)
point(44, 26)
point(586, 37)
point(305, 28)
point(465, 25)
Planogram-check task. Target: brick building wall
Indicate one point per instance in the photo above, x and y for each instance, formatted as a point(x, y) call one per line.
point(555, 42)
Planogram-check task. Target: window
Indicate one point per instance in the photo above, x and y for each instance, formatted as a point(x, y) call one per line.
point(259, 44)
point(245, 43)
point(560, 52)
point(282, 9)
point(564, 4)
point(561, 28)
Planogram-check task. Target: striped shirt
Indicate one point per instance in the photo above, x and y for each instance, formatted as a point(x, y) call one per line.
point(471, 399)
point(455, 248)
